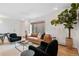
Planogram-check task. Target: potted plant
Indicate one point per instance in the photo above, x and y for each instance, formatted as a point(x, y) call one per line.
point(68, 18)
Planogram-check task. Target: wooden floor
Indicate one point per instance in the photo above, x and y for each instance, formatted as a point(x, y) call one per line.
point(64, 51)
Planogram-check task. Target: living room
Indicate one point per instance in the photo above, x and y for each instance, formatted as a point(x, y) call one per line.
point(27, 18)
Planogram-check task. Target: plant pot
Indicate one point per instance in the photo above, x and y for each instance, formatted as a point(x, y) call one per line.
point(69, 43)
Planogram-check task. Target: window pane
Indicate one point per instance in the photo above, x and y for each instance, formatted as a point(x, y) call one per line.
point(38, 27)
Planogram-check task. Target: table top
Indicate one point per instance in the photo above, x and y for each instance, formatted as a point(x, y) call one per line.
point(23, 42)
point(28, 53)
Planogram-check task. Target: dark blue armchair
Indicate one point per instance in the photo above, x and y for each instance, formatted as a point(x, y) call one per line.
point(13, 37)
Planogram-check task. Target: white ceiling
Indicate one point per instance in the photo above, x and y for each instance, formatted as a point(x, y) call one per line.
point(29, 10)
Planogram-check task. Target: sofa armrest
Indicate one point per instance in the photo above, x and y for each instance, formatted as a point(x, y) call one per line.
point(38, 52)
point(34, 40)
point(43, 45)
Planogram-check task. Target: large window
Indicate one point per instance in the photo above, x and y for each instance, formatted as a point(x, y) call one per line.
point(38, 27)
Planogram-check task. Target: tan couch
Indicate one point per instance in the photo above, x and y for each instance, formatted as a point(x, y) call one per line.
point(37, 40)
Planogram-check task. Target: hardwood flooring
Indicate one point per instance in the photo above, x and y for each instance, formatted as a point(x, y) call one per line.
point(64, 51)
point(8, 49)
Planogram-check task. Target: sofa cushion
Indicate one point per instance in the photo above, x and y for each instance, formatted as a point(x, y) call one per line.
point(47, 38)
point(34, 35)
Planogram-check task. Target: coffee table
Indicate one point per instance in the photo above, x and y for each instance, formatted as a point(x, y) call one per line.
point(21, 43)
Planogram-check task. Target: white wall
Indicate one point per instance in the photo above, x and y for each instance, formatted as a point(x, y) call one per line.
point(10, 26)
